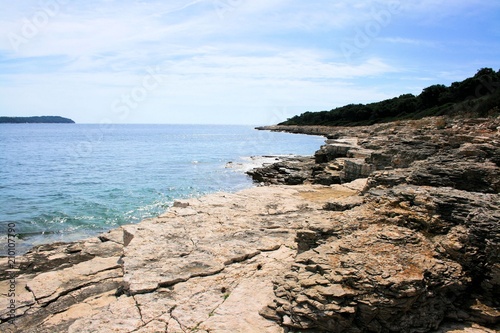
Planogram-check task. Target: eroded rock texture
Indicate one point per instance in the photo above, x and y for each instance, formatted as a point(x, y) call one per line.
point(207, 265)
point(422, 249)
point(389, 228)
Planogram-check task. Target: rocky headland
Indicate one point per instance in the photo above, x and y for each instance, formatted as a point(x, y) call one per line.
point(388, 228)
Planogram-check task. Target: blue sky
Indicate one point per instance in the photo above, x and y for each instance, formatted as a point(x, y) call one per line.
point(232, 61)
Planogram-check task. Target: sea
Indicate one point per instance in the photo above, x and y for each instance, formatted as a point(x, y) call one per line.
point(65, 182)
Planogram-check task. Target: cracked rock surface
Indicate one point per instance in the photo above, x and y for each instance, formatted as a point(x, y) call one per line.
point(207, 265)
point(420, 253)
point(389, 228)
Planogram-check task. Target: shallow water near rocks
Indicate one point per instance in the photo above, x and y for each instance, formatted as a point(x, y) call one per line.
point(61, 182)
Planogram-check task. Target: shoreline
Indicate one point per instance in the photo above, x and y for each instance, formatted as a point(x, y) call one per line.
point(73, 202)
point(150, 266)
point(271, 258)
point(246, 164)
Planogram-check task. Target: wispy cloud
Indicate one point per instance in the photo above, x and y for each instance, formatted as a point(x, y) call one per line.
point(221, 54)
point(408, 41)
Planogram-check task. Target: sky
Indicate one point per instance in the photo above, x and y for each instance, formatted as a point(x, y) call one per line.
point(253, 62)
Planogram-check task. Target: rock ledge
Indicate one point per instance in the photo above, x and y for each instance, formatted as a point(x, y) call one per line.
point(388, 228)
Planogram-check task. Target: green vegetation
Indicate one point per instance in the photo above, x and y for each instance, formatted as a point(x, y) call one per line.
point(477, 96)
point(36, 120)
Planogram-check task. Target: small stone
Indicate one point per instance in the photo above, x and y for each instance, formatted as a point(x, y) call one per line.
point(180, 204)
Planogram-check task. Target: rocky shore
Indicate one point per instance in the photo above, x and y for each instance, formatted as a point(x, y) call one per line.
point(388, 228)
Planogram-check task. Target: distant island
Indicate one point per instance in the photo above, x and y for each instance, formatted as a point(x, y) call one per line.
point(36, 120)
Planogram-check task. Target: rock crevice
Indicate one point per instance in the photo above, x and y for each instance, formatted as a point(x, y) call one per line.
point(388, 228)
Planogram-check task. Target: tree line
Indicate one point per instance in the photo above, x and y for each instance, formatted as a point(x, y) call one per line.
point(475, 96)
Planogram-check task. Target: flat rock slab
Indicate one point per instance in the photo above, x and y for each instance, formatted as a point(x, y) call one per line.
point(206, 265)
point(399, 251)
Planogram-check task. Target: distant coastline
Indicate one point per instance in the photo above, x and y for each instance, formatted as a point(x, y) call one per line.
point(36, 120)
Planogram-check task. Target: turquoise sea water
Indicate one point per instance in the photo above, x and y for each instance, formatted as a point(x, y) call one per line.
point(62, 182)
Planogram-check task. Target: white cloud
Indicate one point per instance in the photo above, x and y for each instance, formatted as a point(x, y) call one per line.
point(214, 54)
point(409, 41)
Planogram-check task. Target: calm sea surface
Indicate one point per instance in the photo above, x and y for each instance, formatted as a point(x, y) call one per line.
point(62, 182)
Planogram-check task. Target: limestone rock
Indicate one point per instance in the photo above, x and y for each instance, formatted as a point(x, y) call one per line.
point(406, 257)
point(391, 227)
point(289, 171)
point(377, 279)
